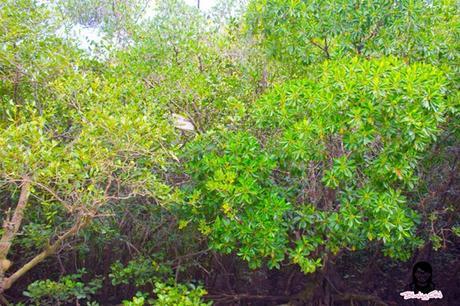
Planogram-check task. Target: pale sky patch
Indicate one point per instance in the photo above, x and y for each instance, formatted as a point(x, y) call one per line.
point(86, 35)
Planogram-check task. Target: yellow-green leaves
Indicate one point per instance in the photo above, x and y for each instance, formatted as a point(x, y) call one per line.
point(239, 208)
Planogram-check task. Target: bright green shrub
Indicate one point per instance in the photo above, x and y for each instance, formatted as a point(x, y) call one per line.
point(233, 198)
point(68, 289)
point(140, 271)
point(329, 168)
point(180, 295)
point(171, 295)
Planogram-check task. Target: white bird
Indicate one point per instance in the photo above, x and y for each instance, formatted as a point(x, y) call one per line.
point(182, 123)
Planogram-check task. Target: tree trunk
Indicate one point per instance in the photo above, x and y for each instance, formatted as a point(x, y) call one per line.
point(11, 226)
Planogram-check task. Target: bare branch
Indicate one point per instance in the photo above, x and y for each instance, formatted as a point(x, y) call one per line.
point(11, 226)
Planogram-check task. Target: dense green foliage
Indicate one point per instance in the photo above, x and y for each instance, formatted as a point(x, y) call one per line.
point(69, 288)
point(282, 133)
point(411, 30)
point(344, 147)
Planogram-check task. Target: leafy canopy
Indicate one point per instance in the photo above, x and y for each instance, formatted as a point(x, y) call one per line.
point(334, 156)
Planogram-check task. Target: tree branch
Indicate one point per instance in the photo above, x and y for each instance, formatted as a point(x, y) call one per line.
point(325, 49)
point(11, 226)
point(81, 222)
